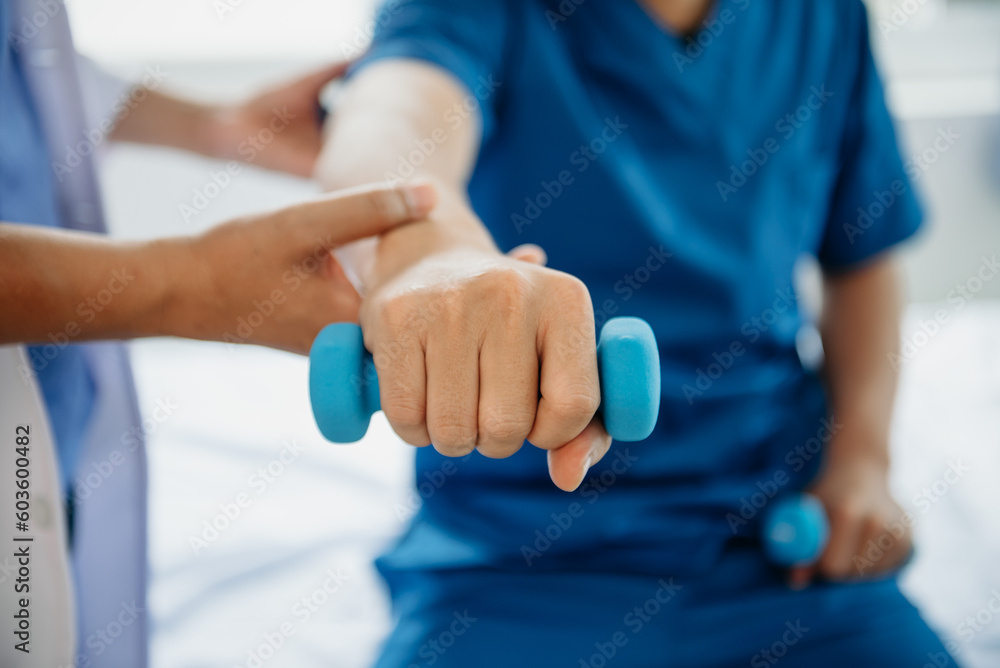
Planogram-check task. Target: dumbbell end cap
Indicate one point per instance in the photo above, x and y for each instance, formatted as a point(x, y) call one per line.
point(341, 383)
point(629, 365)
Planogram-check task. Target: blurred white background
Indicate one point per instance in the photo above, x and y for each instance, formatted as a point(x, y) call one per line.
point(335, 507)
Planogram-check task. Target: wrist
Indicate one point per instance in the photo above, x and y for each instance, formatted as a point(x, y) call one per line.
point(451, 228)
point(859, 441)
point(178, 286)
point(217, 129)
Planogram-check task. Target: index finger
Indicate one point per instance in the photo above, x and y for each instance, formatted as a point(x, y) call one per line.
point(356, 213)
point(568, 379)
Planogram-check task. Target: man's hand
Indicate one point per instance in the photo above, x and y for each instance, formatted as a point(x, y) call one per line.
point(868, 535)
point(289, 113)
point(477, 350)
point(860, 328)
point(465, 340)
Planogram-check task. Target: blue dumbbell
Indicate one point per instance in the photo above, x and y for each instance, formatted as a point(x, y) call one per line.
point(343, 383)
point(795, 530)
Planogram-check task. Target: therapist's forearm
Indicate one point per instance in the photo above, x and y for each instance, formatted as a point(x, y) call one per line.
point(860, 329)
point(267, 279)
point(387, 117)
point(89, 287)
point(165, 120)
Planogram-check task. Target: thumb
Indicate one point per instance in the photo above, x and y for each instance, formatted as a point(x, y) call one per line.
point(799, 577)
point(356, 213)
point(316, 80)
point(530, 253)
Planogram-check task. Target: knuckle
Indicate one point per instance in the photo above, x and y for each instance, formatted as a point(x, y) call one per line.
point(404, 413)
point(401, 320)
point(506, 426)
point(846, 514)
point(572, 290)
point(453, 435)
point(577, 404)
point(448, 304)
point(505, 288)
point(396, 313)
point(840, 570)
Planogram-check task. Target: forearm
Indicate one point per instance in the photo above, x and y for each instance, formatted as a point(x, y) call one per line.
point(396, 119)
point(860, 329)
point(165, 120)
point(83, 286)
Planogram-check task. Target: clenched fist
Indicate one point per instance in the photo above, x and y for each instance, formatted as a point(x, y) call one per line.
point(477, 350)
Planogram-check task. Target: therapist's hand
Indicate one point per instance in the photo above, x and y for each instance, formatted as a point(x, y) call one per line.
point(477, 350)
point(271, 279)
point(278, 129)
point(868, 533)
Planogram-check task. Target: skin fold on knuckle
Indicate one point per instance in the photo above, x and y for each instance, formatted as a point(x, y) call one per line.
point(506, 291)
point(402, 411)
point(501, 433)
point(575, 404)
point(452, 435)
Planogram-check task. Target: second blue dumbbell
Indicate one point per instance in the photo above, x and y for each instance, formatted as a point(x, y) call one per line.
point(795, 530)
point(344, 391)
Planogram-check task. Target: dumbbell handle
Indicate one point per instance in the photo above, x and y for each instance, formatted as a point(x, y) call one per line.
point(343, 382)
point(795, 530)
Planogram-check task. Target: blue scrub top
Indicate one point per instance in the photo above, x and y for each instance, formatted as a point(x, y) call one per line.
point(27, 195)
point(681, 179)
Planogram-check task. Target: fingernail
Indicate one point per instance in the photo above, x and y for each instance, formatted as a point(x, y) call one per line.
point(587, 463)
point(420, 198)
point(583, 472)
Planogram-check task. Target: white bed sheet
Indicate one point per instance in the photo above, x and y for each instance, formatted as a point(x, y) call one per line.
point(226, 412)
